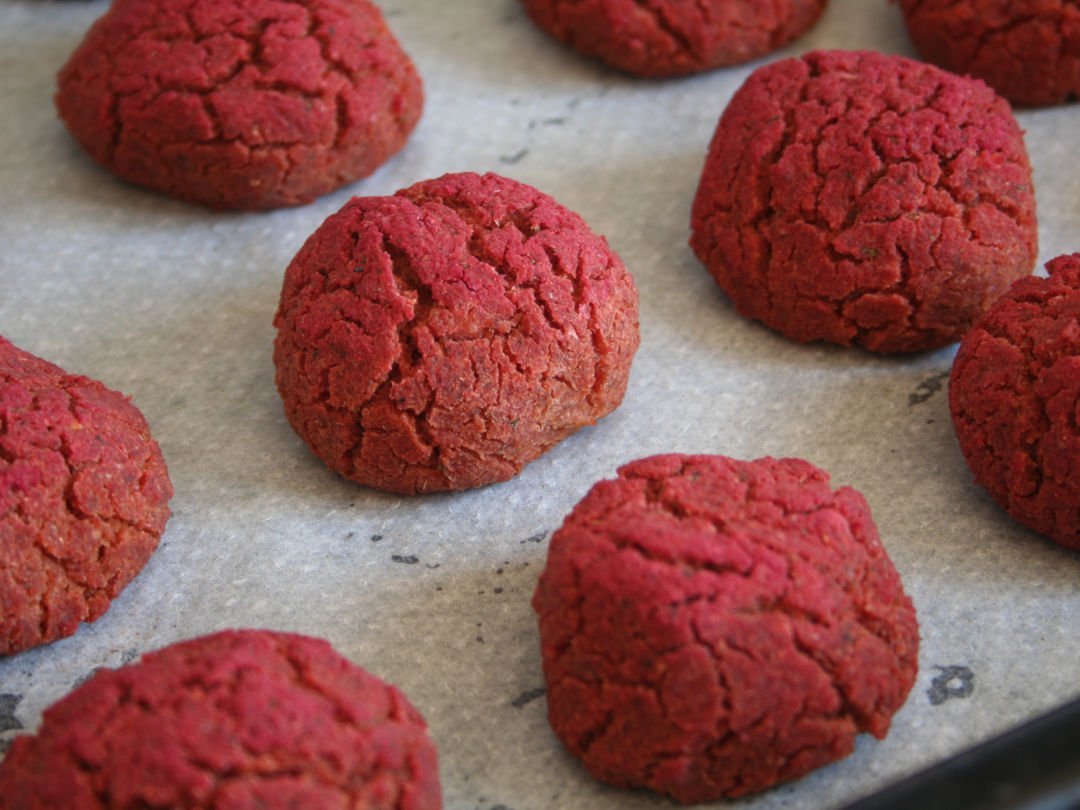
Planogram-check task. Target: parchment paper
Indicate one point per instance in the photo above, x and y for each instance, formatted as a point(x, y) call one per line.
point(172, 305)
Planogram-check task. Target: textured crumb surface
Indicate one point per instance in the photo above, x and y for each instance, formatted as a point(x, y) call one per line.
point(442, 338)
point(865, 199)
point(672, 37)
point(1027, 50)
point(1014, 394)
point(83, 498)
point(246, 105)
point(713, 627)
point(239, 719)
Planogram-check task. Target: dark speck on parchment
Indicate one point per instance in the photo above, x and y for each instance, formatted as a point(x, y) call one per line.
point(927, 388)
point(8, 720)
point(528, 696)
point(951, 682)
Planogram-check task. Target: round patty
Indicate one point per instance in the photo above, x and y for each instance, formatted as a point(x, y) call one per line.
point(712, 627)
point(84, 498)
point(248, 105)
point(865, 199)
point(1027, 50)
point(1014, 394)
point(674, 37)
point(239, 719)
point(442, 338)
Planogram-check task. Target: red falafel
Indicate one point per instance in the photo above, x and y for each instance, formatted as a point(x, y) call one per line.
point(247, 105)
point(865, 199)
point(712, 627)
point(671, 37)
point(1014, 396)
point(84, 498)
point(238, 719)
point(443, 337)
point(1027, 50)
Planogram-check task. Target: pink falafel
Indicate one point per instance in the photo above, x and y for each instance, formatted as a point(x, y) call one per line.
point(865, 199)
point(84, 496)
point(247, 105)
point(238, 719)
point(673, 37)
point(1014, 395)
point(1027, 50)
point(712, 627)
point(444, 337)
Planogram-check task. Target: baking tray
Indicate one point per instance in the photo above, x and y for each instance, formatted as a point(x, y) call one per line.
point(172, 304)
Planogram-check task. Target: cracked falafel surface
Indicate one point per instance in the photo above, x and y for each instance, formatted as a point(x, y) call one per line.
point(237, 720)
point(84, 498)
point(443, 337)
point(671, 37)
point(1014, 397)
point(1027, 50)
point(711, 627)
point(864, 199)
point(240, 105)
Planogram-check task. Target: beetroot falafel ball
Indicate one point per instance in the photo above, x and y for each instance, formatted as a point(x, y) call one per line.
point(1014, 395)
point(712, 627)
point(238, 719)
point(249, 105)
point(1027, 50)
point(84, 496)
point(674, 37)
point(859, 198)
point(442, 338)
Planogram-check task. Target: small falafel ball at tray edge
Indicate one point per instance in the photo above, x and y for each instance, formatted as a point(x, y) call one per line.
point(84, 496)
point(665, 38)
point(1027, 51)
point(1014, 396)
point(238, 719)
